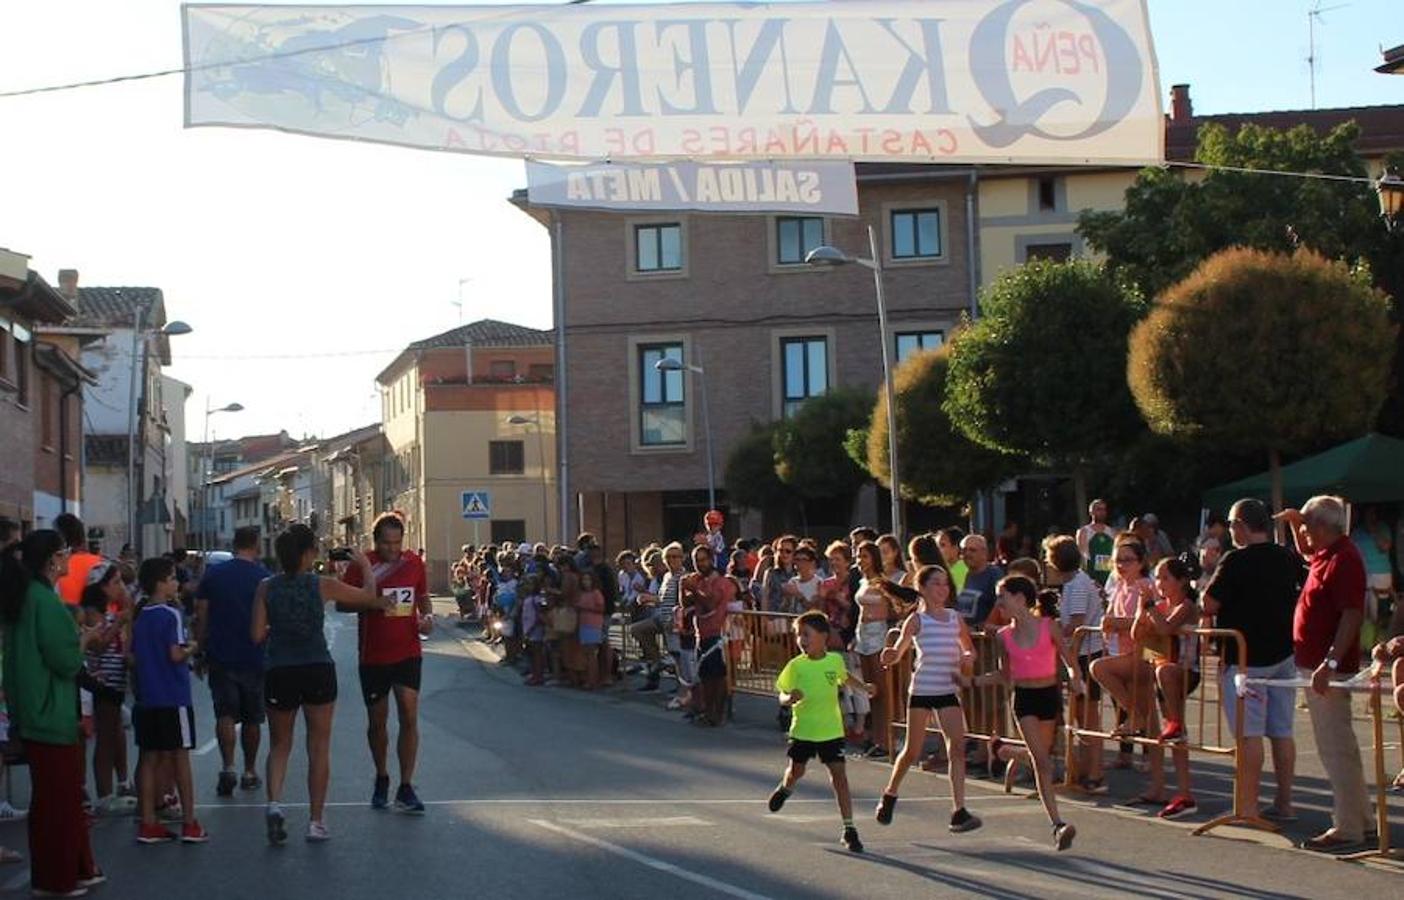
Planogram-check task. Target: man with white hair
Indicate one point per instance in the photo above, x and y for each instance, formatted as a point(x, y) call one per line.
point(977, 598)
point(1326, 638)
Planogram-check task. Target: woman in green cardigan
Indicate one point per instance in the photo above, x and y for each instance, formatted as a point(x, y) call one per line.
point(43, 653)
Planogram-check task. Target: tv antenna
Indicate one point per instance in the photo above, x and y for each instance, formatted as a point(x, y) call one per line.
point(1314, 19)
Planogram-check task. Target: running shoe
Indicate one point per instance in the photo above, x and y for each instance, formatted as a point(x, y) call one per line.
point(250, 782)
point(876, 752)
point(317, 833)
point(1174, 730)
point(962, 821)
point(850, 840)
point(778, 798)
point(277, 825)
point(9, 814)
point(76, 892)
point(380, 794)
point(1179, 805)
point(93, 880)
point(884, 809)
point(406, 801)
point(227, 782)
point(1063, 834)
point(154, 834)
point(194, 833)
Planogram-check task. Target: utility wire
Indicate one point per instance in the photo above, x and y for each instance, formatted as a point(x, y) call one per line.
point(1323, 176)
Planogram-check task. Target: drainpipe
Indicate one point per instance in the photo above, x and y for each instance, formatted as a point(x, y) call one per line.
point(562, 408)
point(972, 241)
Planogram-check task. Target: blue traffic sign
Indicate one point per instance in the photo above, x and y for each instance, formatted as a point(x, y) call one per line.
point(477, 505)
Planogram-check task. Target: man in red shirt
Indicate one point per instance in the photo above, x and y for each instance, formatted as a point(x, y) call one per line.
point(80, 561)
point(1326, 640)
point(709, 593)
point(391, 659)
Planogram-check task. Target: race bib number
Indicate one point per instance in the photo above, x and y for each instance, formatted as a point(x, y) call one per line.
point(404, 600)
point(1102, 562)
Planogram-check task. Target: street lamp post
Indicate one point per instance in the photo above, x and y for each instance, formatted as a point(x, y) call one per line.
point(669, 364)
point(1390, 188)
point(520, 421)
point(139, 336)
point(207, 530)
point(832, 256)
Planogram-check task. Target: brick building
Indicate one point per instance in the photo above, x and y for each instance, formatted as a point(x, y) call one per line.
point(731, 293)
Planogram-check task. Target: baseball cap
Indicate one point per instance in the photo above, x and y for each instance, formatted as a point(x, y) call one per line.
point(100, 571)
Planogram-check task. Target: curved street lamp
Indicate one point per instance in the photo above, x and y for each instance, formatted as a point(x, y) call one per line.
point(170, 329)
point(207, 529)
point(669, 364)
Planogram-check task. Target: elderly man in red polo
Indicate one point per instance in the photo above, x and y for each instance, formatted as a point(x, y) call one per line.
point(1326, 636)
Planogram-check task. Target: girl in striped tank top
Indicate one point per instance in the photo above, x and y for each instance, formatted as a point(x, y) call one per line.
point(945, 659)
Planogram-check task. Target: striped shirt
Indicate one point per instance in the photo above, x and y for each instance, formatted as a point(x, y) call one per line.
point(937, 656)
point(109, 664)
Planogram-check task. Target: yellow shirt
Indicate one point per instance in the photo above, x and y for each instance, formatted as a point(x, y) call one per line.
point(817, 716)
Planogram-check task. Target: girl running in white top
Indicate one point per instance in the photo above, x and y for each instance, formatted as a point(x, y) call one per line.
point(945, 659)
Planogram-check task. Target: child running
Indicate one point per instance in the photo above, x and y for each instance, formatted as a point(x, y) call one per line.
point(1029, 651)
point(809, 685)
point(945, 660)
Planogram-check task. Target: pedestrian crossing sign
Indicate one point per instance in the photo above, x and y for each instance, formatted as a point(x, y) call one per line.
point(477, 505)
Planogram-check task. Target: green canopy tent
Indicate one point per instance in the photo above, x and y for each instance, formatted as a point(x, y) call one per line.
point(1366, 470)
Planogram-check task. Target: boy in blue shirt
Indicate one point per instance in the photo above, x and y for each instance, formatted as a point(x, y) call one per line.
point(164, 719)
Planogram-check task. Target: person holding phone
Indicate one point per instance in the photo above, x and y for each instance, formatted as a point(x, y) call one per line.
point(288, 617)
point(391, 660)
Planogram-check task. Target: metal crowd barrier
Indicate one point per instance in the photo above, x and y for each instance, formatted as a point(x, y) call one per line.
point(758, 644)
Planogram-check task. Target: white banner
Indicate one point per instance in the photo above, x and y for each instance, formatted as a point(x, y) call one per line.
point(812, 187)
point(956, 81)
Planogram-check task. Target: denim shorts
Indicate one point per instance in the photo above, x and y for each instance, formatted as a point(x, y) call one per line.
point(872, 638)
point(1267, 711)
point(591, 636)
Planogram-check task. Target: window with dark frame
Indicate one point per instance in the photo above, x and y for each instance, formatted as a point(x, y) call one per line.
point(795, 236)
point(21, 372)
point(1047, 193)
point(804, 371)
point(506, 458)
point(916, 233)
point(658, 248)
point(909, 342)
point(513, 530)
point(503, 369)
point(1060, 251)
point(662, 401)
point(46, 413)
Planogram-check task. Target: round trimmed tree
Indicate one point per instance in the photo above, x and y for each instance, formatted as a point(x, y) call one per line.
point(1264, 351)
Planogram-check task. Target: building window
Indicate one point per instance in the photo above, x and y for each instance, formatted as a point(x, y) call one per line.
point(795, 236)
point(658, 248)
point(806, 372)
point(916, 234)
point(909, 342)
point(1060, 251)
point(21, 372)
point(46, 413)
point(541, 373)
point(1047, 194)
point(662, 411)
point(505, 458)
point(513, 530)
point(502, 369)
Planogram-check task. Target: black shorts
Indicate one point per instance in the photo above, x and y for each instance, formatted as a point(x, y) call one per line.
point(828, 751)
point(378, 681)
point(1084, 665)
point(288, 687)
point(1042, 703)
point(933, 701)
point(237, 694)
point(711, 663)
point(164, 728)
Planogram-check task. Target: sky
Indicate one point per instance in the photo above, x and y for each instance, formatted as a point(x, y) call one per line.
point(304, 265)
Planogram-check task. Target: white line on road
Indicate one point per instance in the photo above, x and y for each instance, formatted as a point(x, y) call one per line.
point(17, 882)
point(602, 801)
point(686, 874)
point(641, 822)
point(207, 746)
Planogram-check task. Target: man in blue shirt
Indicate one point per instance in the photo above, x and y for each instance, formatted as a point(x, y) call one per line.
point(223, 610)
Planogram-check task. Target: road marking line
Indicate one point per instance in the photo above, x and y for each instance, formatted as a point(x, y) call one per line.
point(657, 864)
point(17, 882)
point(643, 822)
point(598, 801)
point(207, 746)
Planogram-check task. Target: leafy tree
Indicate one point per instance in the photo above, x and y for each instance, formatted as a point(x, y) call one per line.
point(749, 474)
point(1265, 351)
point(1172, 222)
point(940, 466)
point(810, 454)
point(1043, 372)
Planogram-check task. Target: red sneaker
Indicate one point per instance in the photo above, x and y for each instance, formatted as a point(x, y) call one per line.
point(1174, 730)
point(193, 833)
point(154, 834)
point(1180, 805)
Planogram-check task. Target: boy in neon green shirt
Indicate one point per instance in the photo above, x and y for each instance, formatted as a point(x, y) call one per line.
point(809, 685)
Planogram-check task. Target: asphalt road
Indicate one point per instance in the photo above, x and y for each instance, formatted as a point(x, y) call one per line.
point(543, 792)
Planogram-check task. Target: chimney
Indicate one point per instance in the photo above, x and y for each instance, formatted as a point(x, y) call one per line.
point(68, 283)
point(1181, 107)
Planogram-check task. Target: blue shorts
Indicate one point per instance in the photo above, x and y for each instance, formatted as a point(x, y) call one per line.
point(590, 636)
point(1267, 711)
